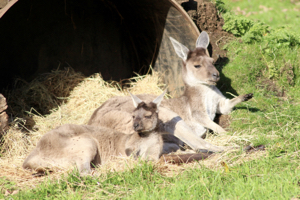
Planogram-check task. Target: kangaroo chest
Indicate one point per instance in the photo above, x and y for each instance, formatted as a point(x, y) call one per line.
point(204, 105)
point(211, 101)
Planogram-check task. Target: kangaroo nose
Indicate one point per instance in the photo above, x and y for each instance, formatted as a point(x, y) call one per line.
point(136, 125)
point(215, 75)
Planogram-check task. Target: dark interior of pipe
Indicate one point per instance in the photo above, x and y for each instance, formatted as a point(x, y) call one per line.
point(113, 37)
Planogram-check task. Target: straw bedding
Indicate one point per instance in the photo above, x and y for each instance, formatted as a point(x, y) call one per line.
point(79, 97)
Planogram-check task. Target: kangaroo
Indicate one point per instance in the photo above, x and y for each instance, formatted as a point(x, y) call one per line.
point(82, 145)
point(186, 117)
point(201, 99)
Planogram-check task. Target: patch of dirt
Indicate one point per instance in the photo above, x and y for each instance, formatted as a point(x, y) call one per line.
point(205, 15)
point(223, 120)
point(288, 71)
point(270, 85)
point(210, 21)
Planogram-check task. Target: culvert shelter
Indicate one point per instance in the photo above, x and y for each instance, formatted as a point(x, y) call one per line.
point(113, 37)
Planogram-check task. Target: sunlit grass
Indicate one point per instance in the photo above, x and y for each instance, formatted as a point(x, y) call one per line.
point(271, 118)
point(275, 13)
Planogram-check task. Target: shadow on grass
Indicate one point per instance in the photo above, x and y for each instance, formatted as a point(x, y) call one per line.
point(224, 83)
point(253, 110)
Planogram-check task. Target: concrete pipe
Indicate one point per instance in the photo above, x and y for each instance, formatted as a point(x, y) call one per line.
point(113, 37)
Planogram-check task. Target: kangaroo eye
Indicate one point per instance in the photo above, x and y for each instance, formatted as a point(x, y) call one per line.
point(197, 66)
point(133, 117)
point(148, 116)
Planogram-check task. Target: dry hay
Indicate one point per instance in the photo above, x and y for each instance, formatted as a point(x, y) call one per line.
point(88, 95)
point(43, 93)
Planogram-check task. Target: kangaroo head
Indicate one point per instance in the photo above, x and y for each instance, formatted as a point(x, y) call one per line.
point(145, 115)
point(198, 67)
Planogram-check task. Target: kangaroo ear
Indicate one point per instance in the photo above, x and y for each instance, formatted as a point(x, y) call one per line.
point(136, 100)
point(203, 40)
point(158, 99)
point(180, 49)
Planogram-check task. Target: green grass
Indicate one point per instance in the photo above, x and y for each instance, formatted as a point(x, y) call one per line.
point(268, 67)
point(268, 178)
point(283, 12)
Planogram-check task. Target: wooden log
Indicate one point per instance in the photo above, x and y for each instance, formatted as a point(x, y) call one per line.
point(3, 115)
point(184, 158)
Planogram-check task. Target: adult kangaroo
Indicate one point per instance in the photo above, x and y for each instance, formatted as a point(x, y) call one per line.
point(82, 145)
point(189, 116)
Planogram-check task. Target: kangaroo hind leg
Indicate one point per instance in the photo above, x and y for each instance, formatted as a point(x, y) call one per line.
point(84, 151)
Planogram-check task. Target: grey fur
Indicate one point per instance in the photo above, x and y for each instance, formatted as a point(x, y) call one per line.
point(187, 117)
point(82, 145)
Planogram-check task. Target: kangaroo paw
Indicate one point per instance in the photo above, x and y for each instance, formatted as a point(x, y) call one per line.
point(247, 97)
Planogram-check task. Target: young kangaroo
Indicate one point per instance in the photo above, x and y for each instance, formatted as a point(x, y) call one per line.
point(82, 145)
point(188, 116)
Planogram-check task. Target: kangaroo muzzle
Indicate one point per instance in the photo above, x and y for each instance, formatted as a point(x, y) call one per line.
point(216, 76)
point(138, 126)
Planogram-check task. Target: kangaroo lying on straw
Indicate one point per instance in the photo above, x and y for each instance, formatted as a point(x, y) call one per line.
point(187, 117)
point(83, 144)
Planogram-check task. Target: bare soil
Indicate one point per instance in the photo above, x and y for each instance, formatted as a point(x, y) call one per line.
point(210, 21)
point(206, 17)
point(222, 120)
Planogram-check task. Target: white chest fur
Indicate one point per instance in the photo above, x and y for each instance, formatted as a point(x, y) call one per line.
point(210, 98)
